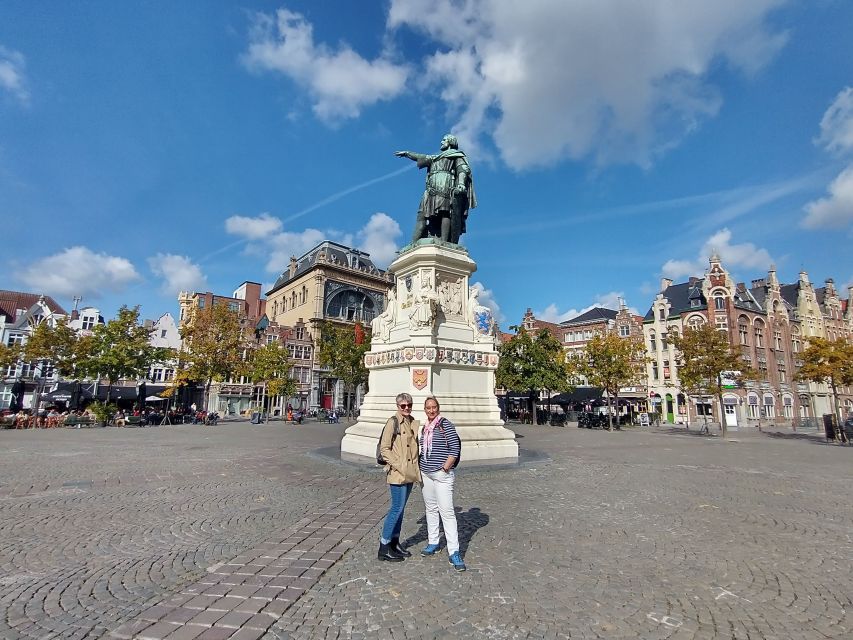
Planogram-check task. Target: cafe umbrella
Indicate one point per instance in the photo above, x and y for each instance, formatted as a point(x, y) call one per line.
point(17, 402)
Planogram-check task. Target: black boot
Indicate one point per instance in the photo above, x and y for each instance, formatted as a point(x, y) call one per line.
point(400, 551)
point(387, 553)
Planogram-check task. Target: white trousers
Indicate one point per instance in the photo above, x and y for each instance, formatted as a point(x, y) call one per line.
point(438, 500)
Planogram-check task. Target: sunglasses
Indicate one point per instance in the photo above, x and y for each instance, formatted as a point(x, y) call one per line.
point(405, 406)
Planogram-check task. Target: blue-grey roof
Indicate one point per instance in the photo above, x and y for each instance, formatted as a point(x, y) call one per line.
point(681, 297)
point(335, 254)
point(596, 314)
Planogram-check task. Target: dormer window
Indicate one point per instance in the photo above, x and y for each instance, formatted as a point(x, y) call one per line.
point(695, 303)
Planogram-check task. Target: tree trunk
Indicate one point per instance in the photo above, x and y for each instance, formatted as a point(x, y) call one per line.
point(206, 394)
point(842, 436)
point(721, 409)
point(616, 399)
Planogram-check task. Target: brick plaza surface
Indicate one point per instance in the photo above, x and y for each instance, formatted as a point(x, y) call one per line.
point(239, 531)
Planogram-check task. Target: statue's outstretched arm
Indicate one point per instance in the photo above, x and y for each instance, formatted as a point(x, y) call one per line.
point(417, 157)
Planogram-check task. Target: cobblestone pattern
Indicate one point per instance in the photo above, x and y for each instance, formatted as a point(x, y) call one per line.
point(242, 598)
point(102, 524)
point(623, 535)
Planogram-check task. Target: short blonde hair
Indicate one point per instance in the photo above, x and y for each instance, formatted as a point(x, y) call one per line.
point(434, 399)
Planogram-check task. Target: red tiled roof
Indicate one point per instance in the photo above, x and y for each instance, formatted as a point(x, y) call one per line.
point(11, 301)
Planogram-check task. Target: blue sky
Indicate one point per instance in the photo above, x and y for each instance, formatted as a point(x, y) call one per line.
point(149, 147)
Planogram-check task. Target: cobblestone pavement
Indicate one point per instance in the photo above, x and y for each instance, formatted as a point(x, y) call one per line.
point(230, 531)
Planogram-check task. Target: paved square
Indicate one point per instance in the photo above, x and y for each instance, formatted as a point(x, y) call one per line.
point(235, 531)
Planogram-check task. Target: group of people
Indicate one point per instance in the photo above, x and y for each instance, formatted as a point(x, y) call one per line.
point(426, 455)
point(45, 419)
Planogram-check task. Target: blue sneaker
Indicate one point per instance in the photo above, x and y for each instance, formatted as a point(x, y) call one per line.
point(429, 550)
point(457, 563)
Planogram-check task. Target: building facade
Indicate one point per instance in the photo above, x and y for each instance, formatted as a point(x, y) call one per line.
point(329, 283)
point(20, 314)
point(768, 322)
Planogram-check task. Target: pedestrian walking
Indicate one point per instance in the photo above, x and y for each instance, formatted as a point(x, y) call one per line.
point(440, 449)
point(398, 446)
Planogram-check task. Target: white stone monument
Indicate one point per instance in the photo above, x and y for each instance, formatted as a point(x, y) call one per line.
point(434, 338)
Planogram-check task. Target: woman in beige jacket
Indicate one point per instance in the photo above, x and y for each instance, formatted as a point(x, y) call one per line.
point(400, 452)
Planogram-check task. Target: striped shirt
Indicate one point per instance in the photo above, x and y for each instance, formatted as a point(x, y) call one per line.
point(445, 442)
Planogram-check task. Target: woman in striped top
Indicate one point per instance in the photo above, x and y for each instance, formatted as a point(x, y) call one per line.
point(439, 450)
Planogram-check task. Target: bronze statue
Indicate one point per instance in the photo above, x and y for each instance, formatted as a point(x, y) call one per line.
point(449, 192)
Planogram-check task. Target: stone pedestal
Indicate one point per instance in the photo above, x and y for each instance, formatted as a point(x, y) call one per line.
point(434, 339)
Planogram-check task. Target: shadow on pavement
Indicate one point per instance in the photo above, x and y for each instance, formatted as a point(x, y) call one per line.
point(681, 431)
point(814, 438)
point(468, 523)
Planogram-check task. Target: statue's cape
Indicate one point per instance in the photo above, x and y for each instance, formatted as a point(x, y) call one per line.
point(456, 153)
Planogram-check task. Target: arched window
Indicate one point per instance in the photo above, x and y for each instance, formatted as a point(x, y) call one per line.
point(743, 330)
point(695, 322)
point(304, 294)
point(759, 333)
point(351, 305)
point(719, 302)
point(653, 343)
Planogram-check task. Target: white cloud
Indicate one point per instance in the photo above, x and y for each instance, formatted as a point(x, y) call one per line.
point(610, 300)
point(12, 77)
point(836, 126)
point(552, 313)
point(487, 299)
point(733, 256)
point(79, 271)
point(288, 243)
point(253, 228)
point(378, 238)
point(340, 81)
point(179, 273)
point(836, 210)
point(617, 81)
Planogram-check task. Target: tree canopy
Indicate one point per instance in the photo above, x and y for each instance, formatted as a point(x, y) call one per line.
point(612, 362)
point(341, 348)
point(703, 355)
point(213, 346)
point(269, 365)
point(121, 349)
point(828, 362)
point(60, 345)
point(530, 362)
point(9, 355)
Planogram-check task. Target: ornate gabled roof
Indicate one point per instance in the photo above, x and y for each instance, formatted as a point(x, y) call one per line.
point(328, 252)
point(681, 297)
point(11, 301)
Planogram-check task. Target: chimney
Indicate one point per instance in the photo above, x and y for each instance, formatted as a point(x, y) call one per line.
point(665, 283)
point(693, 281)
point(741, 287)
point(293, 265)
point(759, 283)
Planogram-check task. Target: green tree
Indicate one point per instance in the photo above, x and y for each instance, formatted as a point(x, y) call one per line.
point(9, 355)
point(59, 345)
point(269, 366)
point(120, 349)
point(213, 346)
point(828, 362)
point(341, 349)
point(612, 362)
point(531, 363)
point(703, 355)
